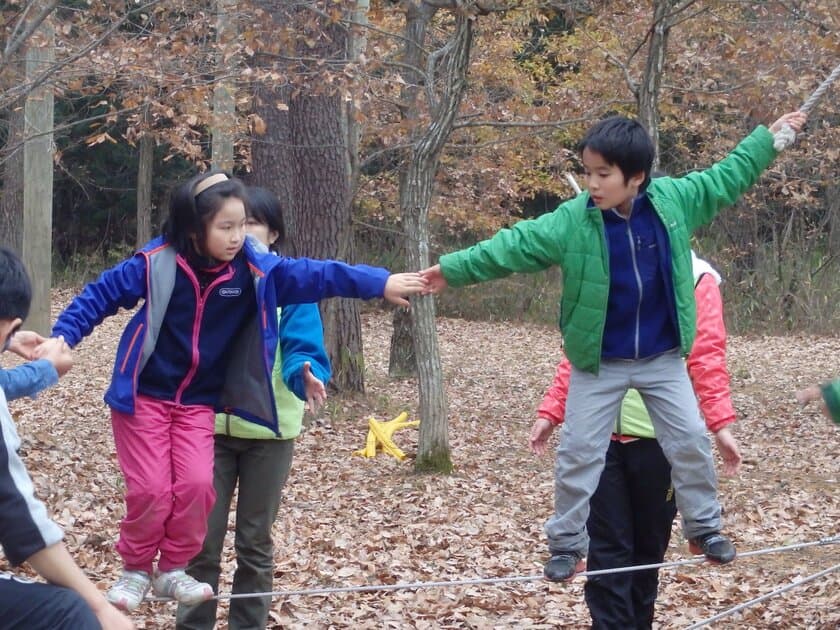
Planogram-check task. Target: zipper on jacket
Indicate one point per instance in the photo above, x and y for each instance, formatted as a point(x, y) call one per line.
point(638, 286)
point(201, 300)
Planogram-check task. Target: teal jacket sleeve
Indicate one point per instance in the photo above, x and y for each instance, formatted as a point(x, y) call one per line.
point(28, 379)
point(831, 396)
point(530, 245)
point(301, 337)
point(703, 194)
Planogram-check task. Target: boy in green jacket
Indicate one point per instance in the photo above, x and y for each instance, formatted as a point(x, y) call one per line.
point(627, 315)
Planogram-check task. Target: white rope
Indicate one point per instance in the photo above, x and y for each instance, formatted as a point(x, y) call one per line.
point(757, 600)
point(369, 588)
point(786, 136)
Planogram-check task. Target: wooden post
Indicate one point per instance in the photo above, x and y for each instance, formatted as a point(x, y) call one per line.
point(224, 91)
point(38, 178)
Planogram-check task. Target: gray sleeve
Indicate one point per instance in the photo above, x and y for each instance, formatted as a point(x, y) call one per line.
point(25, 528)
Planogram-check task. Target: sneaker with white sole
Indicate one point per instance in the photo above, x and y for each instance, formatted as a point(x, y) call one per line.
point(181, 587)
point(129, 590)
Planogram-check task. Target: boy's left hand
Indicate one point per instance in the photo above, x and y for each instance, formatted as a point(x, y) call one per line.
point(316, 392)
point(796, 120)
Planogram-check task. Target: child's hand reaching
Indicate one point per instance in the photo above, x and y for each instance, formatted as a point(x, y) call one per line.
point(809, 394)
point(56, 351)
point(316, 392)
point(401, 284)
point(434, 279)
point(24, 342)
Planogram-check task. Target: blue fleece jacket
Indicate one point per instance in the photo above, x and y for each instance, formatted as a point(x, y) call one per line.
point(225, 329)
point(641, 308)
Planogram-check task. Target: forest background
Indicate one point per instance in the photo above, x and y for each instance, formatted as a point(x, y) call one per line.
point(135, 85)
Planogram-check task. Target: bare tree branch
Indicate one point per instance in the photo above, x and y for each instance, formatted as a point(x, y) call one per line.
point(15, 42)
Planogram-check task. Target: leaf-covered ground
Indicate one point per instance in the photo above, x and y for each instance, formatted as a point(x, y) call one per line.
point(350, 521)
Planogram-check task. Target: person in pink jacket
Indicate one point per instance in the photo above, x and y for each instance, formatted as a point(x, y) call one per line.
point(632, 510)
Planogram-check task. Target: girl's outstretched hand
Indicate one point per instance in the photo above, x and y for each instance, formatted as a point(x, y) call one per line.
point(435, 280)
point(796, 120)
point(313, 387)
point(400, 285)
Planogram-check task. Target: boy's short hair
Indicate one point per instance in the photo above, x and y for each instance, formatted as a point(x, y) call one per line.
point(15, 288)
point(624, 142)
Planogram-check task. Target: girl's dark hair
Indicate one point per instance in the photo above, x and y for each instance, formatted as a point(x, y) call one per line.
point(624, 142)
point(264, 207)
point(15, 288)
point(189, 214)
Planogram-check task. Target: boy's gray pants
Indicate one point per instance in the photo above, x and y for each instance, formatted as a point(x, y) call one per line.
point(592, 406)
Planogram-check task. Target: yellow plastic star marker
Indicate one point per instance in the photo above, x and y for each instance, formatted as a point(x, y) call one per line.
point(380, 436)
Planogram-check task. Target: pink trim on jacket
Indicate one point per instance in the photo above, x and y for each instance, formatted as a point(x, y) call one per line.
point(706, 365)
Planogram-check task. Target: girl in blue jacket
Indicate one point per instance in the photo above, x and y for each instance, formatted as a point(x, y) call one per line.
point(203, 340)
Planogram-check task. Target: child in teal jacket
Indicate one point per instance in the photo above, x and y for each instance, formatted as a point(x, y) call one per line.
point(254, 457)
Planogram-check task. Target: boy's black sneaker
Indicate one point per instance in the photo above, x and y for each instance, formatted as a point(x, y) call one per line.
point(563, 565)
point(715, 546)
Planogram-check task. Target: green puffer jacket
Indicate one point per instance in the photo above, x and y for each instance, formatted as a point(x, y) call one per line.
point(831, 396)
point(572, 237)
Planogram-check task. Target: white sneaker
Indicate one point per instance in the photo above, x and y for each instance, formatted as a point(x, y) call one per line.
point(129, 590)
point(181, 587)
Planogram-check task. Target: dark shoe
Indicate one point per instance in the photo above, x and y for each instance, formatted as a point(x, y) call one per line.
point(563, 565)
point(715, 546)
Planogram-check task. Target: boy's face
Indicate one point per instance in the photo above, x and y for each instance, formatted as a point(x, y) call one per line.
point(8, 327)
point(606, 182)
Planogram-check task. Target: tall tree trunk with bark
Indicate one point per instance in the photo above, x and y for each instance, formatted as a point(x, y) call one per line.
point(11, 200)
point(306, 156)
point(647, 95)
point(445, 83)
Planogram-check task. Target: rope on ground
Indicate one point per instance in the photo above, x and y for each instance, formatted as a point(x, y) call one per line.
point(778, 591)
point(369, 588)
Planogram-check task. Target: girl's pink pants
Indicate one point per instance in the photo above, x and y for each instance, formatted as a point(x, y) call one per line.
point(165, 451)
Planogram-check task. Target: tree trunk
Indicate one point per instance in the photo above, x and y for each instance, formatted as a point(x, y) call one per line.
point(145, 168)
point(449, 67)
point(306, 157)
point(11, 201)
point(38, 179)
point(649, 89)
point(224, 91)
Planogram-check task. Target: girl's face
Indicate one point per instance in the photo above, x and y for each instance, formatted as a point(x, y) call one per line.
point(225, 232)
point(261, 232)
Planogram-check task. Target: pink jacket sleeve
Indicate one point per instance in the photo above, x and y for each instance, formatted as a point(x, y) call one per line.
point(553, 406)
point(707, 360)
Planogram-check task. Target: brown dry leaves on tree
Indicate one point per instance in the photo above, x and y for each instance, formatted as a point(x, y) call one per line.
point(346, 520)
